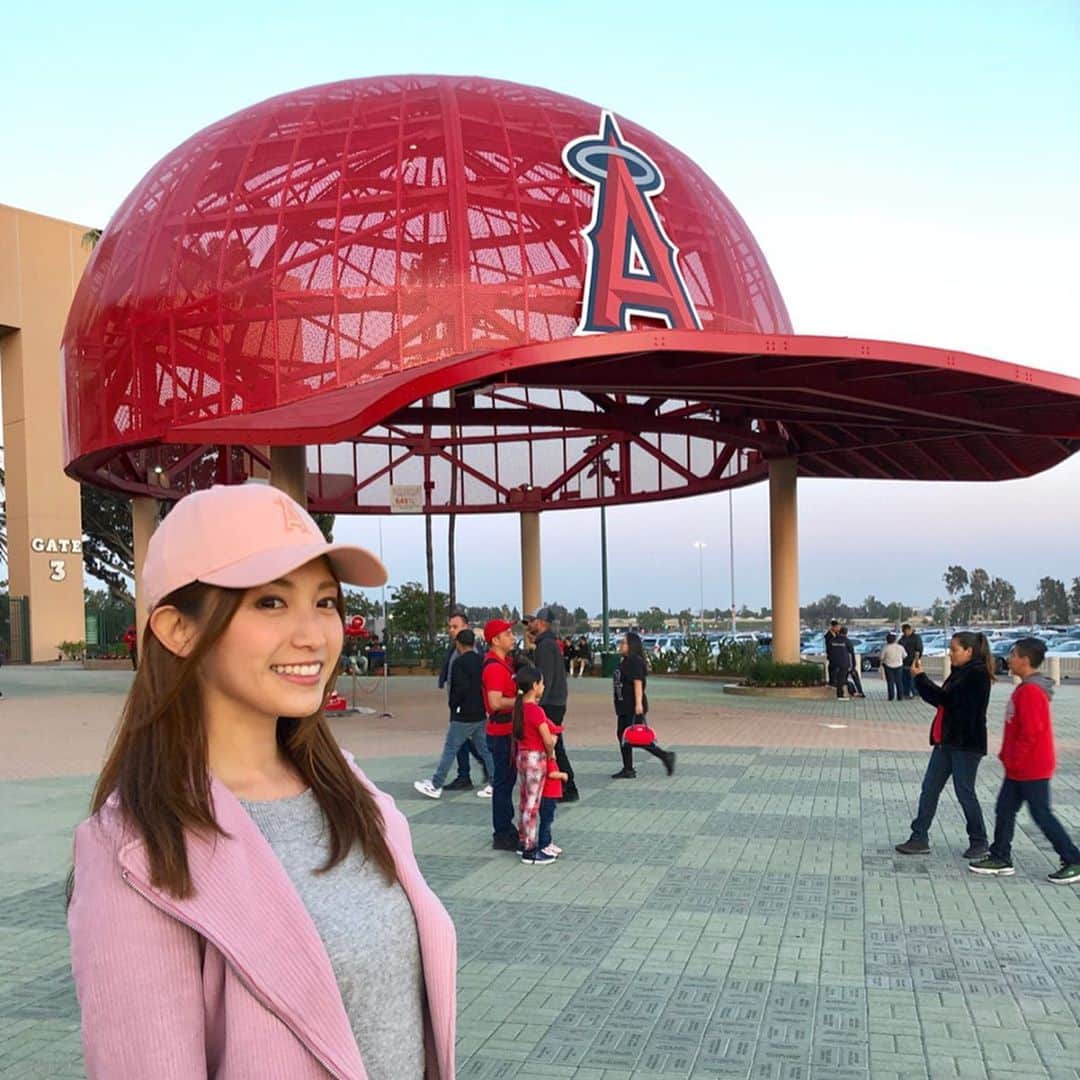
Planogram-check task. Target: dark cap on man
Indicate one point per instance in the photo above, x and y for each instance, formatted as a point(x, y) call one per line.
point(544, 614)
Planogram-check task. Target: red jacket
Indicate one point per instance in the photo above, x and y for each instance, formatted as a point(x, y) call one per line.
point(1027, 745)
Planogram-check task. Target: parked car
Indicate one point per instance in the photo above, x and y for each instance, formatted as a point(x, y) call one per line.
point(1066, 649)
point(870, 656)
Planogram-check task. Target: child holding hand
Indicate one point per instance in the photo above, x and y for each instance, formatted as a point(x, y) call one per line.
point(535, 750)
point(553, 792)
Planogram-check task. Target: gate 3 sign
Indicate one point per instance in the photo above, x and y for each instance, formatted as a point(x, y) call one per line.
point(50, 545)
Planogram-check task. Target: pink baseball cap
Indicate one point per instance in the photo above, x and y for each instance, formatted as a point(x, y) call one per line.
point(240, 536)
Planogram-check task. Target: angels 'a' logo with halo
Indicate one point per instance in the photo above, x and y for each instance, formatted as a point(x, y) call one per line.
point(632, 266)
point(292, 519)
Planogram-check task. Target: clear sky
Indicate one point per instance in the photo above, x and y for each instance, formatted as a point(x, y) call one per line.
point(910, 170)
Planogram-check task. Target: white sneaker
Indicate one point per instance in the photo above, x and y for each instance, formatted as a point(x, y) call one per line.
point(553, 849)
point(485, 792)
point(426, 787)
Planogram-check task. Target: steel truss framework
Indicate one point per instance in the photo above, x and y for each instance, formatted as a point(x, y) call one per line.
point(585, 421)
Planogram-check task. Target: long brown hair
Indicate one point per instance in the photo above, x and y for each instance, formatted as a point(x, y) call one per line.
point(525, 679)
point(158, 760)
point(980, 649)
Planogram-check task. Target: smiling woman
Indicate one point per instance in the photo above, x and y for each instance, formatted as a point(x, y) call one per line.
point(244, 901)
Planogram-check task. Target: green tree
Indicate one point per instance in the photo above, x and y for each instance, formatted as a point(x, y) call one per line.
point(1053, 600)
point(821, 611)
point(651, 621)
point(956, 580)
point(979, 580)
point(581, 620)
point(1074, 597)
point(108, 541)
point(326, 525)
point(358, 603)
point(873, 608)
point(1000, 597)
point(409, 608)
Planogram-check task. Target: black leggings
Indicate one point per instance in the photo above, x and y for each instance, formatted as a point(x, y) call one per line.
point(627, 750)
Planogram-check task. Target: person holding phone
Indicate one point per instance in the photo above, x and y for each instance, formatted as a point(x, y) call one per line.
point(958, 739)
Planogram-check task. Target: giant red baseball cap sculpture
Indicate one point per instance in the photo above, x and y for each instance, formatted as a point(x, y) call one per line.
point(503, 296)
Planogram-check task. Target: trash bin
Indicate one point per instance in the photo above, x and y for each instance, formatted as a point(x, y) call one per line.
point(609, 661)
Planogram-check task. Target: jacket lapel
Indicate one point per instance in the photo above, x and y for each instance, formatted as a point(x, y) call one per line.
point(244, 904)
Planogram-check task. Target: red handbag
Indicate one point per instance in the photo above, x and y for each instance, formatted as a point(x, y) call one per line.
point(639, 735)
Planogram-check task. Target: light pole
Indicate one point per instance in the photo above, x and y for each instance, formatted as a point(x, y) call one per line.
point(701, 545)
point(603, 577)
point(731, 550)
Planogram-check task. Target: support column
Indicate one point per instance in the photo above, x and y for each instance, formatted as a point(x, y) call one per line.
point(144, 520)
point(288, 471)
point(531, 590)
point(784, 543)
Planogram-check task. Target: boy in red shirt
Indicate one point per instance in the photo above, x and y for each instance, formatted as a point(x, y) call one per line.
point(1027, 752)
point(553, 792)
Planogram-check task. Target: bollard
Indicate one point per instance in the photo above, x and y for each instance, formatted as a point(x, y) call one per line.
point(1053, 669)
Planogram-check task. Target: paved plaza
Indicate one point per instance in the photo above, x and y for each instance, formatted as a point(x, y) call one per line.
point(746, 918)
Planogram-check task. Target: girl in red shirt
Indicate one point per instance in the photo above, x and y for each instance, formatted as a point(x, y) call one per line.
point(535, 747)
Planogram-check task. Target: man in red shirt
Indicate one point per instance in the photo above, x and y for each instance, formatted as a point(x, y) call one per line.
point(500, 692)
point(1027, 752)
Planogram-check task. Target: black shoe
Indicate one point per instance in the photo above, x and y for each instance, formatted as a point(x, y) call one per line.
point(505, 843)
point(914, 847)
point(570, 792)
point(462, 783)
point(669, 761)
point(624, 774)
point(977, 851)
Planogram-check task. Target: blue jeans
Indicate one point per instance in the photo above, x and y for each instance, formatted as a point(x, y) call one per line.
point(464, 772)
point(547, 817)
point(1036, 793)
point(503, 779)
point(907, 681)
point(457, 735)
point(961, 765)
point(894, 681)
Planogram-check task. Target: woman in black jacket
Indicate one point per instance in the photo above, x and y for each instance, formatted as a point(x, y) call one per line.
point(958, 736)
point(631, 705)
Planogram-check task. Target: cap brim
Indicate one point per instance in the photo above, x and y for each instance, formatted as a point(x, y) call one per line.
point(352, 566)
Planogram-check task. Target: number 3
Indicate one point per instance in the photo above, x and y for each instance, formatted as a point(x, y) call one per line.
point(57, 570)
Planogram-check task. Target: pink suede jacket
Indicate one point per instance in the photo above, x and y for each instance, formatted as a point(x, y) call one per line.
point(232, 983)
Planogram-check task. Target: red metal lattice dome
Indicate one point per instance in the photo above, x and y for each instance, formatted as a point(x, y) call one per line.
point(391, 270)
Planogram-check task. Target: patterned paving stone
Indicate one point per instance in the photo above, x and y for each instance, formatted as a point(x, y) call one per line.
point(748, 918)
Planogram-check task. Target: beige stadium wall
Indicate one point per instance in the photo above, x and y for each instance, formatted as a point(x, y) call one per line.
point(41, 261)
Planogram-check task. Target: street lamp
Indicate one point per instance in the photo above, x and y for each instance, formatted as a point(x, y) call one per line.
point(731, 550)
point(701, 545)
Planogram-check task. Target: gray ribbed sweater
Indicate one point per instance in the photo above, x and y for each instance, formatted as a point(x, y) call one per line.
point(369, 932)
